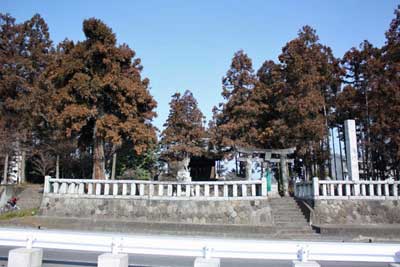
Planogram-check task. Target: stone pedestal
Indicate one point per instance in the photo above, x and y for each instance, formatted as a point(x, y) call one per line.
point(25, 257)
point(112, 260)
point(305, 264)
point(204, 262)
point(394, 265)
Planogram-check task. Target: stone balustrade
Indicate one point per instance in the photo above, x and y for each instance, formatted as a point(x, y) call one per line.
point(140, 189)
point(337, 189)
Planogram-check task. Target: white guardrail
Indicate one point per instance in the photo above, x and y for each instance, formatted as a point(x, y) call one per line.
point(201, 247)
point(157, 190)
point(336, 189)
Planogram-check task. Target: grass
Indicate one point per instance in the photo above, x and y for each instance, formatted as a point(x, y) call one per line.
point(18, 214)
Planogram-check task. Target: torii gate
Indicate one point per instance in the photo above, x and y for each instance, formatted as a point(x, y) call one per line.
point(283, 161)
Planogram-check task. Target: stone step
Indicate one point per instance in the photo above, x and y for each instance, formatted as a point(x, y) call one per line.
point(295, 231)
point(278, 211)
point(287, 213)
point(286, 207)
point(288, 221)
point(295, 226)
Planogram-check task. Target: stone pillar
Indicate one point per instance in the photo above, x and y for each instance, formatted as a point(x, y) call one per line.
point(248, 167)
point(207, 262)
point(25, 257)
point(112, 260)
point(305, 264)
point(284, 175)
point(351, 149)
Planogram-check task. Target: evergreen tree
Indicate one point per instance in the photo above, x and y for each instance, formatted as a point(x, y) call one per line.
point(385, 103)
point(265, 98)
point(184, 133)
point(233, 117)
point(100, 96)
point(24, 55)
point(354, 100)
point(312, 79)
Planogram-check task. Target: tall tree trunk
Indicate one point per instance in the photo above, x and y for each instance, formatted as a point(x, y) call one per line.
point(23, 164)
point(58, 166)
point(236, 165)
point(334, 154)
point(98, 157)
point(328, 161)
point(5, 172)
point(114, 165)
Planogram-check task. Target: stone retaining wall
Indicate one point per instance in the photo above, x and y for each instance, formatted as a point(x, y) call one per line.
point(236, 212)
point(356, 212)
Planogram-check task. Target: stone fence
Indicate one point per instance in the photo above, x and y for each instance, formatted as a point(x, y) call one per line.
point(139, 189)
point(340, 190)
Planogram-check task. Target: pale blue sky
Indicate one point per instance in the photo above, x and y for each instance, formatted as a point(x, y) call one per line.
point(189, 44)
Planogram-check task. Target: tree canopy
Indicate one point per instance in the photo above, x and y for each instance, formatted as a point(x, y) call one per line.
point(99, 94)
point(184, 132)
point(87, 99)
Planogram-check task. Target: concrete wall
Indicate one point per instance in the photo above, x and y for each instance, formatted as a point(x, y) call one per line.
point(238, 212)
point(356, 212)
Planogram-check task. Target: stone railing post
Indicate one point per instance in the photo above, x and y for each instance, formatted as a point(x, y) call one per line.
point(225, 190)
point(356, 188)
point(98, 188)
point(56, 188)
point(47, 184)
point(371, 190)
point(395, 189)
point(151, 190)
point(124, 189)
point(324, 192)
point(264, 187)
point(315, 187)
point(235, 190)
point(216, 191)
point(332, 190)
point(141, 189)
point(253, 190)
point(244, 190)
point(206, 190)
point(386, 189)
point(81, 189)
point(106, 189)
point(363, 190)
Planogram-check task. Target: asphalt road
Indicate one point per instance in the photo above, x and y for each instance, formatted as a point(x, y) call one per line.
point(62, 258)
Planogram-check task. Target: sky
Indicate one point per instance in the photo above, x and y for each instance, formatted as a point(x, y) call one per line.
point(188, 45)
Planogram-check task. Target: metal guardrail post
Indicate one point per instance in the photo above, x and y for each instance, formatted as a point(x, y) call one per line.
point(115, 258)
point(302, 258)
point(206, 260)
point(26, 257)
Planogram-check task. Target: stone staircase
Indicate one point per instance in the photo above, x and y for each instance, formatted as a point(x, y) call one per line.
point(289, 219)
